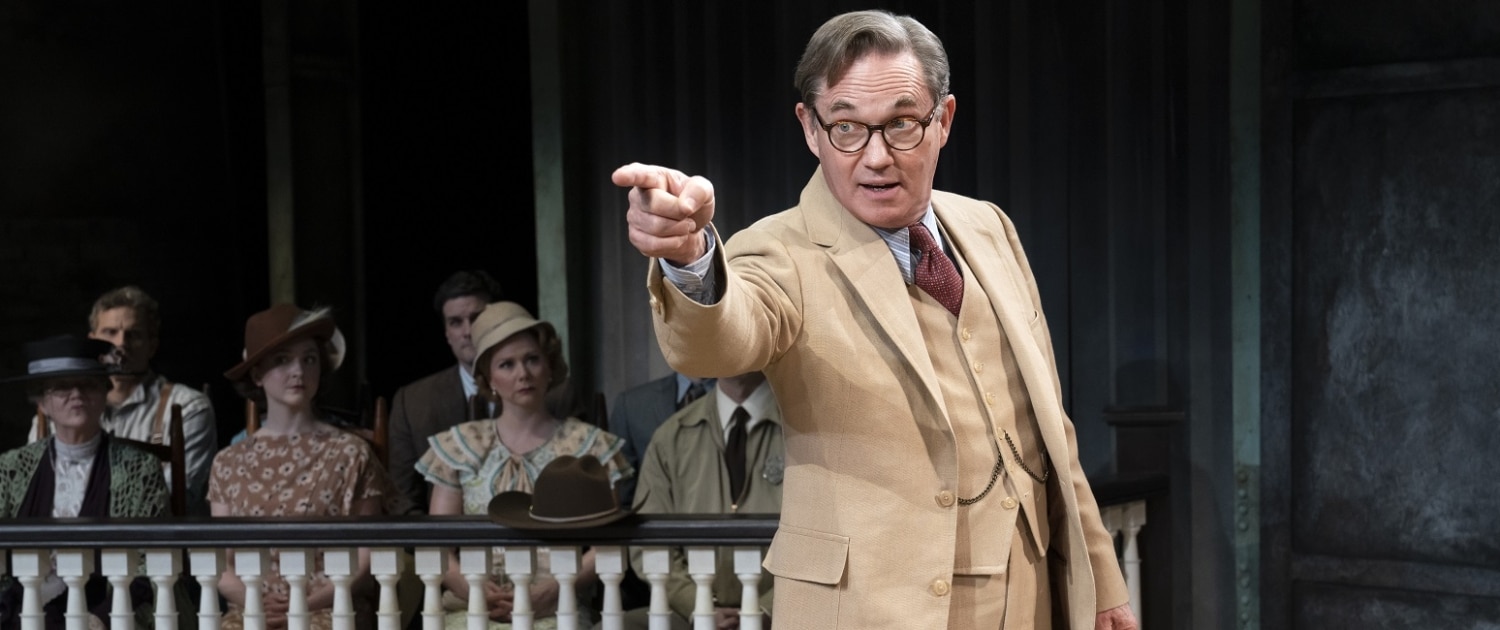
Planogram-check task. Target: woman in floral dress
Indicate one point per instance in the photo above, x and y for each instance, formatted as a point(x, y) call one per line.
point(295, 464)
point(519, 360)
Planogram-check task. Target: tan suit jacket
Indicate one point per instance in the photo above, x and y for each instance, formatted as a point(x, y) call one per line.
point(813, 297)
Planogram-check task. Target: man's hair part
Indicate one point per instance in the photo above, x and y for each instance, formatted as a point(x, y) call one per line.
point(847, 38)
point(465, 283)
point(145, 307)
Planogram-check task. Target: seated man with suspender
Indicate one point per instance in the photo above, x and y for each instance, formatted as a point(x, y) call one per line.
point(140, 400)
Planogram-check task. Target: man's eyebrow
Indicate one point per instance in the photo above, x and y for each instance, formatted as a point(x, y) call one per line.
point(905, 100)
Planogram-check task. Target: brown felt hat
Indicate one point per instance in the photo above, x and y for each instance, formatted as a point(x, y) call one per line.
point(281, 324)
point(571, 493)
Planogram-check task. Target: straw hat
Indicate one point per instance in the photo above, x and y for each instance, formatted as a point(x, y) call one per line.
point(500, 321)
point(571, 493)
point(281, 324)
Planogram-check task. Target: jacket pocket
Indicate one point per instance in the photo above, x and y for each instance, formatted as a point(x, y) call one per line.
point(809, 568)
point(808, 555)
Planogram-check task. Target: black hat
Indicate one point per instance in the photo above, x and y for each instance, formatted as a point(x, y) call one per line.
point(65, 355)
point(571, 493)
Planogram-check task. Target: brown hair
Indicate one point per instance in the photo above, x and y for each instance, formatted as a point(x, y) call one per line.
point(552, 351)
point(847, 38)
point(145, 307)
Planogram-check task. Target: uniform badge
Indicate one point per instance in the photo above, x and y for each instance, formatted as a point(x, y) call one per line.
point(774, 469)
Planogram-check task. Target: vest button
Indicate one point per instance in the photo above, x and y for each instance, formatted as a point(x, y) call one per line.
point(1009, 503)
point(978, 367)
point(964, 335)
point(945, 498)
point(940, 587)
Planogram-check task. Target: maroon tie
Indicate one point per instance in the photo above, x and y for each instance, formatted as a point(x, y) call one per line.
point(934, 271)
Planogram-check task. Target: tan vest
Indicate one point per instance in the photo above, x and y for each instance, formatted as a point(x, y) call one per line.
point(981, 384)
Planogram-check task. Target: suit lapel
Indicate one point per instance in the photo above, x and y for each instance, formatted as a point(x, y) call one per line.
point(996, 271)
point(865, 261)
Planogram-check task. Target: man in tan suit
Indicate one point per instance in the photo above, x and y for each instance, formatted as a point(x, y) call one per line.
point(932, 477)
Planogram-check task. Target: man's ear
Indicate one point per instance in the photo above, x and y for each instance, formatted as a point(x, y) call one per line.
point(810, 128)
point(949, 105)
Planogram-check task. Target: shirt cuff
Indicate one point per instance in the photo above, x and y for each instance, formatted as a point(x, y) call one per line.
point(695, 279)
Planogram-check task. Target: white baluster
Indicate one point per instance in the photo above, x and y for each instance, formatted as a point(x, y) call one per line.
point(31, 567)
point(207, 565)
point(701, 566)
point(74, 567)
point(294, 569)
point(386, 564)
point(163, 566)
point(475, 564)
point(747, 567)
point(1134, 519)
point(340, 565)
point(250, 564)
point(520, 564)
point(564, 563)
point(609, 564)
point(656, 562)
point(430, 564)
point(119, 566)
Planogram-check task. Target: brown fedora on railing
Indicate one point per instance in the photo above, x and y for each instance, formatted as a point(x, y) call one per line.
point(571, 493)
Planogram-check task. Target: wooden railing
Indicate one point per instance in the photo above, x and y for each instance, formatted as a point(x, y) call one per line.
point(164, 551)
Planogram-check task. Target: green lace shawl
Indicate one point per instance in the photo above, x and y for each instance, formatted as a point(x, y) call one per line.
point(137, 488)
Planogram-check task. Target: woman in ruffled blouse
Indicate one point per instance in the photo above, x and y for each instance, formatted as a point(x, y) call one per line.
point(519, 360)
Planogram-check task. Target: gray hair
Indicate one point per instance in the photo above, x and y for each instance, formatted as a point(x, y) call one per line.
point(847, 38)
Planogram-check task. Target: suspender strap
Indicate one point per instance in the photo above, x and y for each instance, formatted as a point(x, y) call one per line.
point(158, 425)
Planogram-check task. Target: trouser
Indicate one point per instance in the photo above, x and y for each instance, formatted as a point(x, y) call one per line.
point(1019, 599)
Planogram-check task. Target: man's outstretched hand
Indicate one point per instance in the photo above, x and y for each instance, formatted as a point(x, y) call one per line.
point(668, 211)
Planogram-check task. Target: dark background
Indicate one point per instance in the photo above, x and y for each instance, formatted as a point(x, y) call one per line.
point(1265, 231)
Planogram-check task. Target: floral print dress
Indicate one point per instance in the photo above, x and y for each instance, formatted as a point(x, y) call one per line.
point(323, 472)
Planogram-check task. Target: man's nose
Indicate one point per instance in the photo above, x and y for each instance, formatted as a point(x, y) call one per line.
point(877, 153)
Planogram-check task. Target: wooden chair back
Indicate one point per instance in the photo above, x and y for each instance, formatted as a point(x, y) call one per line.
point(173, 454)
point(377, 434)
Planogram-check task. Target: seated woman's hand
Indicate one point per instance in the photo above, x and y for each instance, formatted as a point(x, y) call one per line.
point(275, 606)
point(500, 600)
point(544, 597)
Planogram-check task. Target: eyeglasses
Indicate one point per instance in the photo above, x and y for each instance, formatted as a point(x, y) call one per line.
point(901, 133)
point(65, 388)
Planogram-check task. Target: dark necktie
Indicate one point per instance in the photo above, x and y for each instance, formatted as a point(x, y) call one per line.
point(934, 271)
point(694, 392)
point(734, 452)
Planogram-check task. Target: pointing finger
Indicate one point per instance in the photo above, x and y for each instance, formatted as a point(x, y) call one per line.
point(648, 176)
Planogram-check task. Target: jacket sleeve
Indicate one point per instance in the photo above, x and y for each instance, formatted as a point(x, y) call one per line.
point(404, 445)
point(755, 320)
